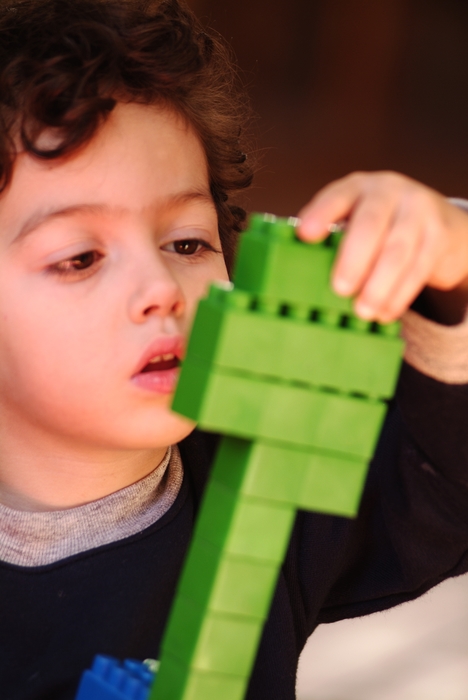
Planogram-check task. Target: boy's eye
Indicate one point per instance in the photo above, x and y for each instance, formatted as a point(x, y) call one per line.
point(78, 263)
point(194, 247)
point(191, 246)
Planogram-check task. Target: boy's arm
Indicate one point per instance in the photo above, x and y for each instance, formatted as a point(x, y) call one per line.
point(412, 530)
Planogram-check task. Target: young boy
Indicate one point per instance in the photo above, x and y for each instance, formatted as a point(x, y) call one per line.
point(119, 153)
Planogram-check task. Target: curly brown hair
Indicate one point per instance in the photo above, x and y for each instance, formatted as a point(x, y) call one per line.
point(64, 65)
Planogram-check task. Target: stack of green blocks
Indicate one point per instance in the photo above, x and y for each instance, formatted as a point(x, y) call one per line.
point(297, 383)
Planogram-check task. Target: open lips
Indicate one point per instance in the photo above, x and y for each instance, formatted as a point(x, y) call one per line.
point(161, 362)
point(158, 370)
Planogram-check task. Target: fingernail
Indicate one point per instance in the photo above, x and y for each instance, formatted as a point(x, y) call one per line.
point(342, 287)
point(363, 310)
point(310, 228)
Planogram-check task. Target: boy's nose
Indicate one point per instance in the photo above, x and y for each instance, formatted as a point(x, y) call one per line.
point(157, 293)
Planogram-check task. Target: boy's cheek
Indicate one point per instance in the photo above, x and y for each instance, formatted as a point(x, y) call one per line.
point(194, 292)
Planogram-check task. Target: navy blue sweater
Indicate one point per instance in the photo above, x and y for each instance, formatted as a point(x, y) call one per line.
point(411, 533)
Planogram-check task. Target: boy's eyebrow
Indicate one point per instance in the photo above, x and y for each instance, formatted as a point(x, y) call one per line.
point(40, 217)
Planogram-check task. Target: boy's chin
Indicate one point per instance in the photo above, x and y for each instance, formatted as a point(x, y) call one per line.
point(173, 428)
point(152, 429)
point(182, 427)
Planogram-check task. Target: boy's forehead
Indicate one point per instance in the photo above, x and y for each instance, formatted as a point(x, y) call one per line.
point(143, 157)
point(41, 216)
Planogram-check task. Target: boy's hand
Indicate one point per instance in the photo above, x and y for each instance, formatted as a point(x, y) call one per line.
point(401, 236)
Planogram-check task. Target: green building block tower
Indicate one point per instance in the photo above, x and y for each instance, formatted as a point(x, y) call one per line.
point(297, 384)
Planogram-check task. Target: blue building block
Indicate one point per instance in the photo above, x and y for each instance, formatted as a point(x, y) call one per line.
point(110, 680)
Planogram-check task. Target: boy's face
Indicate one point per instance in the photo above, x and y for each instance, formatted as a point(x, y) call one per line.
point(102, 260)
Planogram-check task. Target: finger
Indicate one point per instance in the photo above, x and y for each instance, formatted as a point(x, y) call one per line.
point(398, 254)
point(366, 233)
point(406, 289)
point(333, 203)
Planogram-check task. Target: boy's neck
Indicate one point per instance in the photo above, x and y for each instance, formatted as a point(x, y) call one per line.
point(36, 475)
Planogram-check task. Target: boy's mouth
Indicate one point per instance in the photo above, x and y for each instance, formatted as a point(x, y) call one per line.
point(161, 362)
point(158, 369)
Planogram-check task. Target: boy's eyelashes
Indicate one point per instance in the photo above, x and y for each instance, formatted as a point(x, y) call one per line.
point(83, 264)
point(77, 266)
point(190, 247)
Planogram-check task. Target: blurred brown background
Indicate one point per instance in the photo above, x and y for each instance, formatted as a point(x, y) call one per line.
point(340, 85)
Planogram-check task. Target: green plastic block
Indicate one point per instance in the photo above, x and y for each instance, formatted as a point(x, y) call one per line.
point(281, 365)
point(260, 469)
point(273, 263)
point(307, 479)
point(226, 583)
point(177, 681)
point(250, 407)
point(211, 641)
point(333, 485)
point(353, 361)
point(243, 525)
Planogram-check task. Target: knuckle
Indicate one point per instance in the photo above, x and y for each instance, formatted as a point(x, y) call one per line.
point(371, 214)
point(357, 177)
point(389, 176)
point(418, 197)
point(396, 247)
point(433, 233)
point(388, 179)
point(369, 218)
